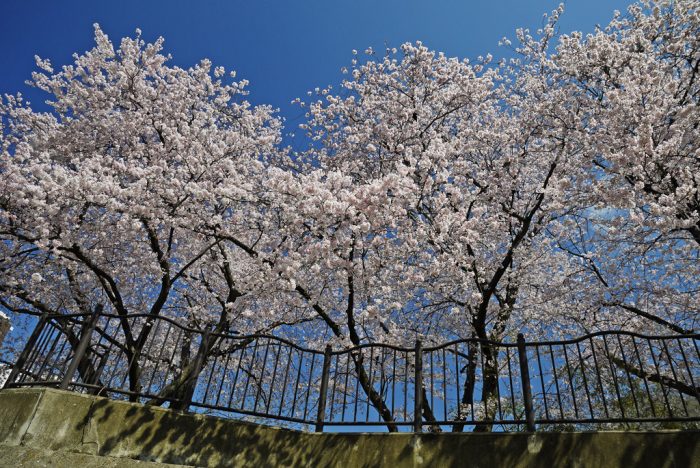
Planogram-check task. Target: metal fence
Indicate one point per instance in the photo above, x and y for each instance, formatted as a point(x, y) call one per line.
point(605, 379)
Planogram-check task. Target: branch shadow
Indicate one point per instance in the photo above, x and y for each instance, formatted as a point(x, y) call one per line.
point(149, 433)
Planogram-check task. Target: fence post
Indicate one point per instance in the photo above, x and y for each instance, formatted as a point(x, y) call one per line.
point(191, 382)
point(525, 379)
point(82, 347)
point(325, 374)
point(28, 348)
point(418, 398)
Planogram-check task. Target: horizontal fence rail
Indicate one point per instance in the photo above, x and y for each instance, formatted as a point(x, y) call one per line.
point(602, 380)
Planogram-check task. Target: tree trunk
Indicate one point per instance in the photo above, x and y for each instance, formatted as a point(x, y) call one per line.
point(374, 397)
point(489, 389)
point(470, 380)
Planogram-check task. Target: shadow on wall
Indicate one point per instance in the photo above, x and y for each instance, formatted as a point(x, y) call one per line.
point(122, 429)
point(156, 434)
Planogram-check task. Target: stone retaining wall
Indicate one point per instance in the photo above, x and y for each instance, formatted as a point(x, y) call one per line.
point(64, 422)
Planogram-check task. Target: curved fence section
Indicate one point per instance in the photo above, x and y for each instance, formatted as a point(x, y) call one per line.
point(603, 380)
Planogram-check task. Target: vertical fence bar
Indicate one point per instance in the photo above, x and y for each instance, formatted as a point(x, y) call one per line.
point(39, 345)
point(324, 388)
point(525, 377)
point(418, 395)
point(82, 347)
point(28, 348)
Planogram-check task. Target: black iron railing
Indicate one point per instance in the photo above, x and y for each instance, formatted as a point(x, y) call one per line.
point(605, 379)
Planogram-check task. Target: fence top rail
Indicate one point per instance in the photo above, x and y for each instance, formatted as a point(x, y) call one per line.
point(505, 344)
point(398, 348)
point(588, 336)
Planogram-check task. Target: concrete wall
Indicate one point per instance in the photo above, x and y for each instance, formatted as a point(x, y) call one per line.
point(61, 422)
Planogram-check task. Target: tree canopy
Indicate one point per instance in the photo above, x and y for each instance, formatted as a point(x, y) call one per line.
point(555, 192)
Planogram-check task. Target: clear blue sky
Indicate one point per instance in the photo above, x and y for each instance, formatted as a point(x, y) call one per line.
point(284, 48)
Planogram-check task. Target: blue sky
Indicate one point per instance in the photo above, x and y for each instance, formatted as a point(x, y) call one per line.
point(283, 48)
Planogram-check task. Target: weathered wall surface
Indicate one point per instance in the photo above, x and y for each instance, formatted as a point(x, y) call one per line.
point(28, 457)
point(68, 425)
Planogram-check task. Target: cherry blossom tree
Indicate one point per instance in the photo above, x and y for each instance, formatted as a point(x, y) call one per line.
point(494, 195)
point(116, 196)
point(551, 193)
point(476, 154)
point(636, 82)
